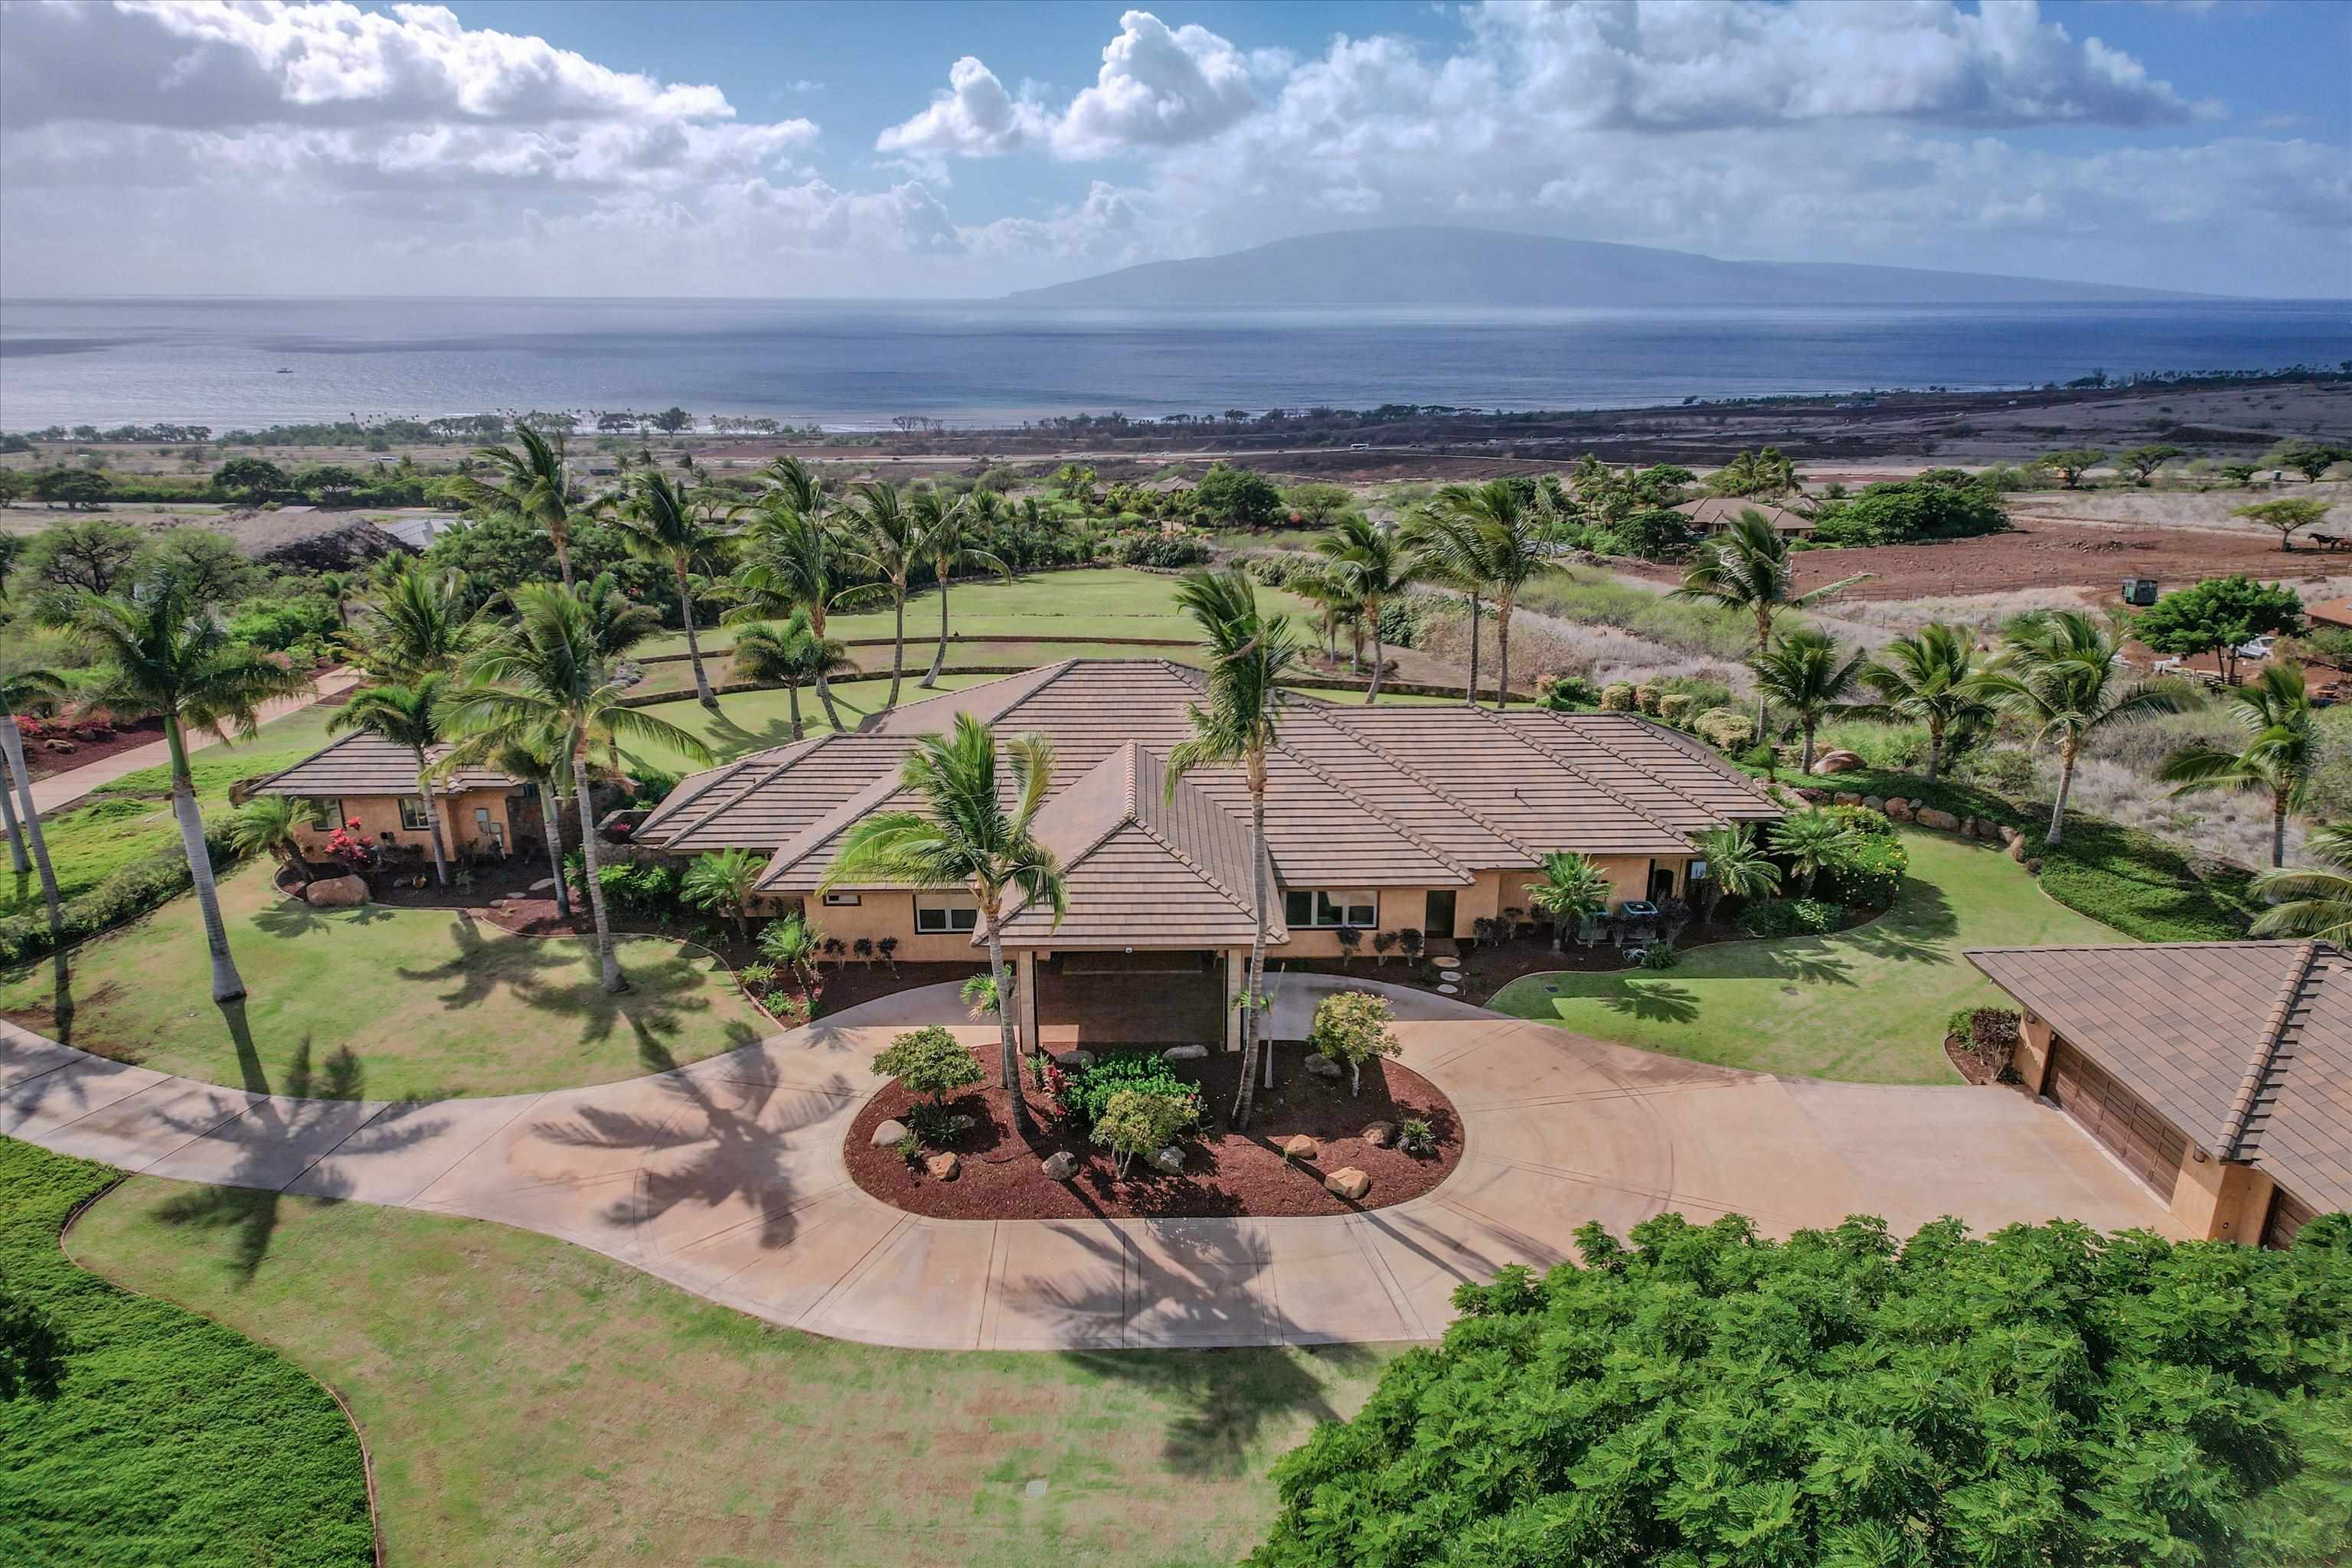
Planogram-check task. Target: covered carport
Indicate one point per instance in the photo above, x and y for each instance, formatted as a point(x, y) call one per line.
point(1092, 999)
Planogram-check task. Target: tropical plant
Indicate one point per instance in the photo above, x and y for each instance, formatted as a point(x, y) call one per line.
point(1572, 889)
point(530, 485)
point(790, 656)
point(978, 996)
point(1351, 1028)
point(1812, 842)
point(794, 944)
point(159, 652)
point(2277, 757)
point(1804, 671)
point(927, 1061)
point(2060, 673)
point(544, 685)
point(416, 625)
point(1496, 537)
point(1377, 567)
point(1735, 865)
point(723, 881)
point(1248, 654)
point(791, 562)
point(951, 528)
point(1140, 1121)
point(887, 538)
point(1444, 546)
point(521, 756)
point(663, 525)
point(968, 835)
point(270, 824)
point(1928, 678)
point(1750, 567)
point(409, 714)
point(617, 623)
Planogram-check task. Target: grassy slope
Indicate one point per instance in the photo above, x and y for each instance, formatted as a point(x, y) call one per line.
point(1866, 1005)
point(427, 1003)
point(528, 1402)
point(172, 1439)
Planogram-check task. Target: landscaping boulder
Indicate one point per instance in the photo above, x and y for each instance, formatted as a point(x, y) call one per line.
point(2014, 843)
point(1811, 797)
point(1380, 1134)
point(944, 1167)
point(960, 1123)
point(1322, 1066)
point(336, 892)
point(1347, 1183)
point(1301, 1147)
point(1167, 1162)
point(1929, 816)
point(1838, 761)
point(1059, 1167)
point(1072, 1059)
point(1846, 797)
point(887, 1136)
point(1183, 1053)
point(1898, 810)
point(1872, 803)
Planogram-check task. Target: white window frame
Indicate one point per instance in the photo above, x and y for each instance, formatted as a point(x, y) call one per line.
point(946, 914)
point(323, 813)
point(843, 900)
point(424, 822)
point(1333, 908)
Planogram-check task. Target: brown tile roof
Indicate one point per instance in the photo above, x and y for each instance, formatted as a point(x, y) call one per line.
point(771, 797)
point(1722, 512)
point(361, 763)
point(2245, 1047)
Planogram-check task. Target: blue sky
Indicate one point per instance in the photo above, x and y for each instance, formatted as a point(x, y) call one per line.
point(943, 149)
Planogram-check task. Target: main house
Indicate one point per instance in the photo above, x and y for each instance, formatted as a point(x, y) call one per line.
point(1378, 819)
point(372, 781)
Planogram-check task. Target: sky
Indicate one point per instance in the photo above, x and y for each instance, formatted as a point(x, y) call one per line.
point(940, 150)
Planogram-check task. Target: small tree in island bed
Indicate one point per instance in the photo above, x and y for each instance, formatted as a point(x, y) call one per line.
point(928, 1061)
point(2289, 517)
point(1353, 1027)
point(1138, 1120)
point(2044, 1395)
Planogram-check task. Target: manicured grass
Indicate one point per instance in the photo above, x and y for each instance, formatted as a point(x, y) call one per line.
point(678, 675)
point(171, 1439)
point(528, 1402)
point(380, 1004)
point(1866, 1005)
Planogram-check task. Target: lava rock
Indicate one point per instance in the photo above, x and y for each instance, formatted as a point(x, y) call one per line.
point(1059, 1167)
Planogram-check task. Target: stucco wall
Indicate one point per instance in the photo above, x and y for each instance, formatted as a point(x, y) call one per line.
point(380, 814)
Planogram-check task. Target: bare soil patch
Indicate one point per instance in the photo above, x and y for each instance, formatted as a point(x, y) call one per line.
point(43, 760)
point(1226, 1173)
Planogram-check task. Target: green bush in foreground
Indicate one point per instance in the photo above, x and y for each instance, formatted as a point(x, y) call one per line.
point(2044, 1395)
point(171, 1439)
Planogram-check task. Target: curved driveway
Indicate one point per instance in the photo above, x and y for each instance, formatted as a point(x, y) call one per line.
point(726, 1177)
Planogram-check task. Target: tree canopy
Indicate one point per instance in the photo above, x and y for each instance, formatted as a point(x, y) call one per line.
point(2216, 615)
point(1239, 497)
point(1939, 504)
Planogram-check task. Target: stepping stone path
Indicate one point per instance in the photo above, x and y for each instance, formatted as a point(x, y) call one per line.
point(1449, 991)
point(545, 885)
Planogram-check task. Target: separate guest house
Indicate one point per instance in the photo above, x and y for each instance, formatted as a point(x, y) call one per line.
point(1377, 819)
point(1716, 514)
point(373, 780)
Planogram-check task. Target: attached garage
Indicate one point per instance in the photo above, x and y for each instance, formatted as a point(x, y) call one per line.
point(2151, 1147)
point(2289, 1214)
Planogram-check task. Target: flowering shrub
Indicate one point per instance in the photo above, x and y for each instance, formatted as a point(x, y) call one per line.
point(349, 847)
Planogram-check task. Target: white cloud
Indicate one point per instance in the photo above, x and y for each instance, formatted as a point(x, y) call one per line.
point(974, 117)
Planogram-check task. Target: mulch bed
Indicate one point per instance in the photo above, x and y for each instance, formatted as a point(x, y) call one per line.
point(1226, 1173)
point(42, 763)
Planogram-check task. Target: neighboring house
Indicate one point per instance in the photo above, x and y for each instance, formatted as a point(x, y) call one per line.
point(2336, 612)
point(1716, 513)
point(1380, 818)
point(364, 778)
point(2218, 1073)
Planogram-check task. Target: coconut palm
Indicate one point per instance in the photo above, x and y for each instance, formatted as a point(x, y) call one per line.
point(788, 655)
point(20, 689)
point(1376, 567)
point(1804, 671)
point(531, 484)
point(792, 561)
point(270, 824)
point(521, 757)
point(1928, 677)
point(2280, 752)
point(1445, 548)
point(1248, 654)
point(160, 652)
point(661, 525)
point(617, 623)
point(1749, 567)
point(1572, 889)
point(1504, 552)
point(952, 528)
point(887, 538)
point(406, 713)
point(1735, 865)
point(1812, 841)
point(337, 587)
point(543, 685)
point(723, 881)
point(2061, 673)
point(417, 624)
point(2313, 903)
point(967, 836)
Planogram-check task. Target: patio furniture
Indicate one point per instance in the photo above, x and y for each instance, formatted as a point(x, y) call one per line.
point(1589, 930)
point(1637, 921)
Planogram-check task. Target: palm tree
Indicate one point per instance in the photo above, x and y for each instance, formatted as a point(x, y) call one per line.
point(24, 689)
point(1445, 548)
point(1812, 841)
point(1749, 567)
point(887, 538)
point(1572, 889)
point(1248, 654)
point(1377, 568)
point(1802, 672)
point(406, 713)
point(417, 626)
point(161, 653)
point(793, 562)
point(544, 686)
point(966, 837)
point(951, 530)
point(1504, 542)
point(788, 655)
point(2316, 905)
point(723, 880)
point(336, 588)
point(617, 623)
point(521, 757)
point(1928, 677)
point(2061, 673)
point(1737, 865)
point(661, 525)
point(2279, 754)
point(532, 486)
point(270, 824)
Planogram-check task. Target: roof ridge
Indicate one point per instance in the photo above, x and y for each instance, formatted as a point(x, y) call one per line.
point(1058, 668)
point(1501, 722)
point(1425, 782)
point(738, 765)
point(2274, 1030)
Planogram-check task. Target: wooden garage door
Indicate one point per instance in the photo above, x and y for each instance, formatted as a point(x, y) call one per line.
point(2145, 1141)
point(2289, 1213)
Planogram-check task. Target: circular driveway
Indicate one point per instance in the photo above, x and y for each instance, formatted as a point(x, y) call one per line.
point(726, 1178)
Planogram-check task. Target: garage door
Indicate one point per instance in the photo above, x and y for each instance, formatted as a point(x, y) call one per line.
point(2151, 1147)
point(2289, 1213)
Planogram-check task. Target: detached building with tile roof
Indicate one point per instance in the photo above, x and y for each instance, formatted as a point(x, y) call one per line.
point(1712, 515)
point(1377, 819)
point(2218, 1073)
point(372, 781)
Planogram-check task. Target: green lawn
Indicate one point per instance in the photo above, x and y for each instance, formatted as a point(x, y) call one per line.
point(1866, 1005)
point(171, 1439)
point(380, 1004)
point(528, 1402)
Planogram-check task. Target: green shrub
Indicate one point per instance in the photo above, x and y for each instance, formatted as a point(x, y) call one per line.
point(1726, 729)
point(1676, 706)
point(1871, 876)
point(928, 1061)
point(1091, 1087)
point(1571, 693)
point(124, 893)
point(1645, 698)
point(1617, 697)
point(1790, 917)
point(1660, 954)
point(1869, 823)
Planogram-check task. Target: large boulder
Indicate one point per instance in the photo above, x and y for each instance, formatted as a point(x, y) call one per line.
point(1347, 1183)
point(336, 892)
point(1380, 1134)
point(1846, 797)
point(944, 1167)
point(1059, 1167)
point(1929, 816)
point(1838, 761)
point(1167, 1162)
point(1872, 803)
point(1072, 1060)
point(887, 1136)
point(1183, 1053)
point(1322, 1066)
point(1301, 1147)
point(1898, 810)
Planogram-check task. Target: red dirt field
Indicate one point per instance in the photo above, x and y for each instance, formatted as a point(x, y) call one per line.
point(1226, 1173)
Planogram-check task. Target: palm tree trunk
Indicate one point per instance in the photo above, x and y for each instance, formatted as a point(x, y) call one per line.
point(897, 643)
point(16, 776)
point(1008, 1054)
point(228, 985)
point(432, 820)
point(1763, 646)
point(2058, 806)
point(9, 807)
point(606, 958)
point(2278, 828)
point(1934, 749)
point(548, 810)
point(1245, 1101)
point(702, 692)
point(1502, 652)
point(1806, 764)
point(793, 696)
point(824, 687)
point(560, 531)
point(1470, 692)
point(939, 656)
point(1380, 658)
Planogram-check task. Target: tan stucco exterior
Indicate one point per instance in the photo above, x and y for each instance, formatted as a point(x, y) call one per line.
point(379, 815)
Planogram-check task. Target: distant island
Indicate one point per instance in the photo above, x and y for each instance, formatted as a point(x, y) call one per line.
point(1485, 266)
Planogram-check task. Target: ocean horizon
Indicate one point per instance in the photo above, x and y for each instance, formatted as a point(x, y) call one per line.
point(247, 362)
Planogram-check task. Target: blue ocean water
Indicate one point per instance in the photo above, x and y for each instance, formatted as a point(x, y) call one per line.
point(855, 364)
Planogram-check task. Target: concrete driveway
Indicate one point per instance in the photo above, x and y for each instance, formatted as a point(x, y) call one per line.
point(727, 1178)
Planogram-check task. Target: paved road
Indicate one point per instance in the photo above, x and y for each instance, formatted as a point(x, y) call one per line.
point(54, 793)
point(727, 1178)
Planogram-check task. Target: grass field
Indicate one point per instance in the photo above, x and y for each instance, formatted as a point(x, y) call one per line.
point(528, 1402)
point(380, 1004)
point(171, 1439)
point(1866, 1005)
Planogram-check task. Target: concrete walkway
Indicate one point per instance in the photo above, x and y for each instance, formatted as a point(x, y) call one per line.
point(71, 787)
point(727, 1178)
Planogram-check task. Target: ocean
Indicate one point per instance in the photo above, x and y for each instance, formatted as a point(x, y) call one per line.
point(856, 365)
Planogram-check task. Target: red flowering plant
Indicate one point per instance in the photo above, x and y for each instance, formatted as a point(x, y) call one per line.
point(1056, 1084)
point(347, 845)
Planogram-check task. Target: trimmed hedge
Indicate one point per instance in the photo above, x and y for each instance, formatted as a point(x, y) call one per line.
point(126, 893)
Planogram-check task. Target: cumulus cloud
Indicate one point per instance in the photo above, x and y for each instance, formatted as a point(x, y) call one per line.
point(974, 117)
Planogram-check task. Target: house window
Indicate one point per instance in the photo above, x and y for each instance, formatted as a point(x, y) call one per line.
point(1306, 906)
point(323, 812)
point(843, 900)
point(943, 913)
point(412, 813)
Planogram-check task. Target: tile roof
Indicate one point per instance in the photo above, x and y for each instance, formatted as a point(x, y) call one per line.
point(1722, 512)
point(2246, 1046)
point(361, 764)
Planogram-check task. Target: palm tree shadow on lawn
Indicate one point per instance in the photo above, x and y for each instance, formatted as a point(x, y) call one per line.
point(290, 917)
